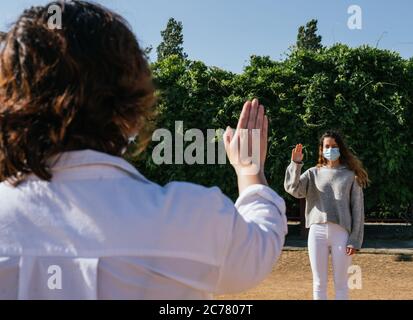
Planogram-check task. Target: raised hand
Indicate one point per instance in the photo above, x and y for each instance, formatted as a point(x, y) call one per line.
point(252, 117)
point(249, 171)
point(297, 153)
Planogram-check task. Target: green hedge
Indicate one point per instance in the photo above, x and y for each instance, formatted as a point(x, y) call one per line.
point(364, 92)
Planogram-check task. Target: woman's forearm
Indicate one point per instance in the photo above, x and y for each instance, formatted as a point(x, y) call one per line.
point(244, 181)
point(295, 183)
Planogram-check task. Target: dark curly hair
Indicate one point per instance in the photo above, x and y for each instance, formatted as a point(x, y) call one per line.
point(86, 85)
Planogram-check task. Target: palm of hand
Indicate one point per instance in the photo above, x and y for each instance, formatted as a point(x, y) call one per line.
point(297, 153)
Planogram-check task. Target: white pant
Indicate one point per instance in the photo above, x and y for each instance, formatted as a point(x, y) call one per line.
point(321, 238)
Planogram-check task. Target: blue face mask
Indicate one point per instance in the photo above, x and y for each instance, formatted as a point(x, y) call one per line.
point(331, 154)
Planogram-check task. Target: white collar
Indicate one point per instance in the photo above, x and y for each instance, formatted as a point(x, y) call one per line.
point(71, 159)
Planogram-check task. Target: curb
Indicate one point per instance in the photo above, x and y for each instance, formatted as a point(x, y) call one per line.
point(392, 251)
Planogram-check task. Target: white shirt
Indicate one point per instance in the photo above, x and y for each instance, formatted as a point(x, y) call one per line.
point(101, 230)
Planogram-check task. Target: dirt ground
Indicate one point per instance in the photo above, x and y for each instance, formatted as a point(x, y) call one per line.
point(383, 277)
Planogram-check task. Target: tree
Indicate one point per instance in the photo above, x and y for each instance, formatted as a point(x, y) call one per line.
point(146, 52)
point(172, 40)
point(364, 92)
point(307, 37)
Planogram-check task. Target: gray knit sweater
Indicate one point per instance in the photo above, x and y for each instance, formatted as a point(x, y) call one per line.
point(332, 195)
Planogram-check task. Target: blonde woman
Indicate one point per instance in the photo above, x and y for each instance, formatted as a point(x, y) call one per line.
point(334, 211)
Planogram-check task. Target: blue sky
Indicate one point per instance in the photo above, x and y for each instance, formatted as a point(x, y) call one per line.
point(225, 33)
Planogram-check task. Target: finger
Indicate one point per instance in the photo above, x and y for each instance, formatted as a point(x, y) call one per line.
point(260, 117)
point(227, 137)
point(243, 119)
point(259, 125)
point(253, 114)
point(244, 146)
point(265, 129)
point(265, 134)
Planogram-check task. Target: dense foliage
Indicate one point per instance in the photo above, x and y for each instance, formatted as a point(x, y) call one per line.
point(364, 92)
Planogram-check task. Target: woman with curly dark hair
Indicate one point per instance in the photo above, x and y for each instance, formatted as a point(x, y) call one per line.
point(77, 221)
point(87, 86)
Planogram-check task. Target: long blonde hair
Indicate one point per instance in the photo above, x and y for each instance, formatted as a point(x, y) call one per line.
point(346, 158)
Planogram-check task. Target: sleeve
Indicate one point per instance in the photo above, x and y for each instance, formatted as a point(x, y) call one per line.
point(357, 216)
point(256, 241)
point(295, 184)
